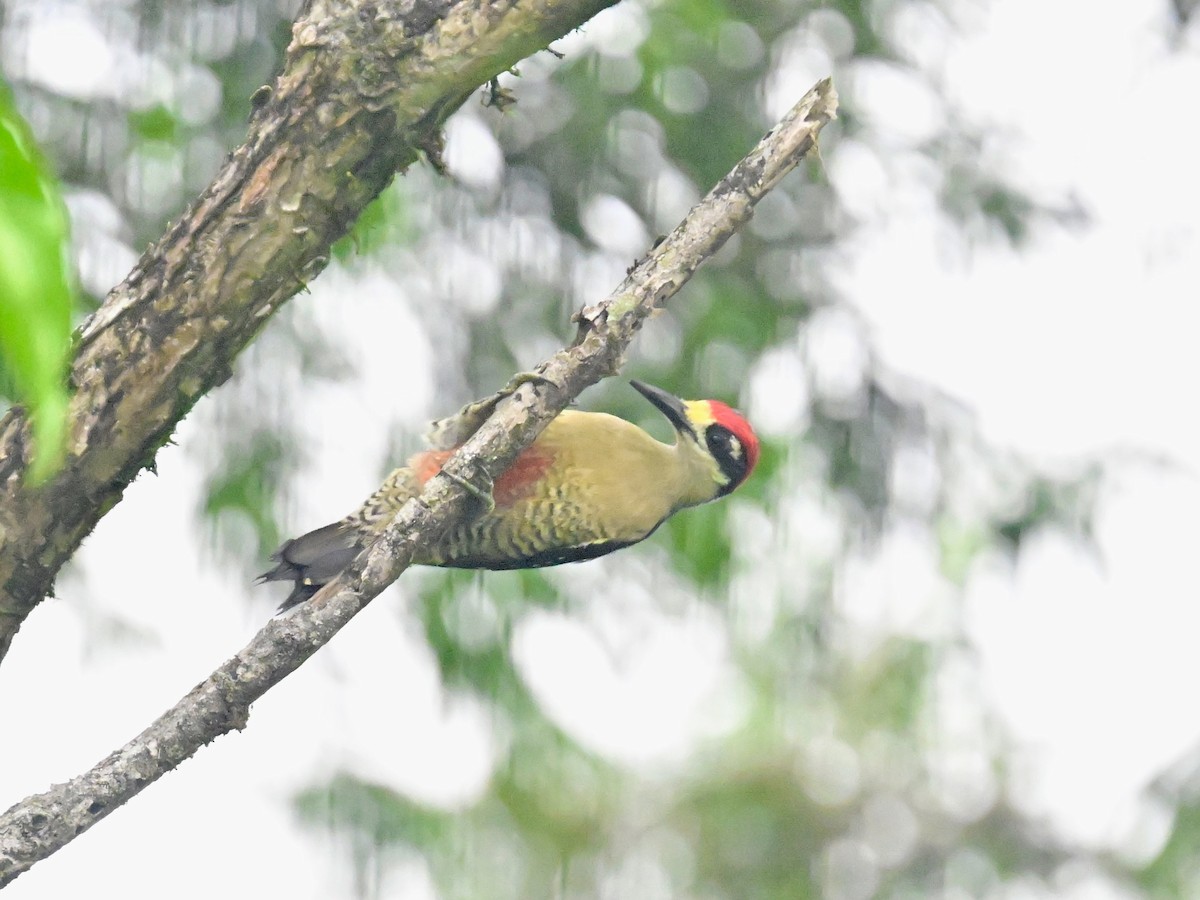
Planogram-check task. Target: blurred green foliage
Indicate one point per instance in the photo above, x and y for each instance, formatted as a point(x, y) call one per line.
point(246, 488)
point(35, 288)
point(1173, 872)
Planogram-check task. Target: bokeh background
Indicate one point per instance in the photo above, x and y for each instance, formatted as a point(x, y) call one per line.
point(942, 645)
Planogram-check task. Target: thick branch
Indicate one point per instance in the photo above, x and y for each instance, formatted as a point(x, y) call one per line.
point(39, 825)
point(365, 85)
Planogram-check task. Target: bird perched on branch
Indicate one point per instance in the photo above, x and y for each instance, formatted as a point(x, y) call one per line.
point(590, 484)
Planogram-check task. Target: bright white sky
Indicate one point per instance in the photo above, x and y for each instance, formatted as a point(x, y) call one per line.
point(1079, 345)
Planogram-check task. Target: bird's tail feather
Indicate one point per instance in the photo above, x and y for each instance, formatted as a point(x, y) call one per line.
point(312, 560)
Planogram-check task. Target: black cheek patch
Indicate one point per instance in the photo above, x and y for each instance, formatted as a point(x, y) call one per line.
point(730, 455)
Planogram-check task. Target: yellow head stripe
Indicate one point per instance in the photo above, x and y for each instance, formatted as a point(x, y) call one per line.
point(699, 412)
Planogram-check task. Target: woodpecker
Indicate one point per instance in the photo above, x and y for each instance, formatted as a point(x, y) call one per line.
point(590, 484)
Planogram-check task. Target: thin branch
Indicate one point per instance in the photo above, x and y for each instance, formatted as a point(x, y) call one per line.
point(39, 825)
point(364, 88)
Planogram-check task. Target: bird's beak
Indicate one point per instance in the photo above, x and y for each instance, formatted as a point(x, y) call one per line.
point(668, 404)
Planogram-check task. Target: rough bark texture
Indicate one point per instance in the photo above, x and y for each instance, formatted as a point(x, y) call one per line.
point(365, 85)
point(39, 825)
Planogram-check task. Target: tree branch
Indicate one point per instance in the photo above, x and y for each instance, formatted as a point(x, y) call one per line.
point(364, 88)
point(39, 825)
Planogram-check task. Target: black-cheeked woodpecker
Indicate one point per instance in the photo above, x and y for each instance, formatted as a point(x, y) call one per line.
point(591, 483)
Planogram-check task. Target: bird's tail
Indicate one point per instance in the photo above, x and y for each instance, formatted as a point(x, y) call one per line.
point(314, 559)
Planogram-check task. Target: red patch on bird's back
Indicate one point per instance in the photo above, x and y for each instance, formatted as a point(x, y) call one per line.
point(517, 482)
point(426, 465)
point(522, 475)
point(735, 422)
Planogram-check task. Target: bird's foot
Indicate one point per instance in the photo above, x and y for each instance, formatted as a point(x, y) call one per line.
point(482, 491)
point(521, 378)
point(445, 434)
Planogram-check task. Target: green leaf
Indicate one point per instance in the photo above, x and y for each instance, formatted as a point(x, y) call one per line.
point(35, 287)
point(155, 124)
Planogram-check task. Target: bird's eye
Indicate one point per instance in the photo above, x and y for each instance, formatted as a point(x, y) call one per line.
point(729, 453)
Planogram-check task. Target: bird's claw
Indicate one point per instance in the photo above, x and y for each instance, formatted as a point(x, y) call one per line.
point(445, 434)
point(483, 493)
point(521, 378)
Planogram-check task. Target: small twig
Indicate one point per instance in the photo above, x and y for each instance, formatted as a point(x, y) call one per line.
point(41, 824)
